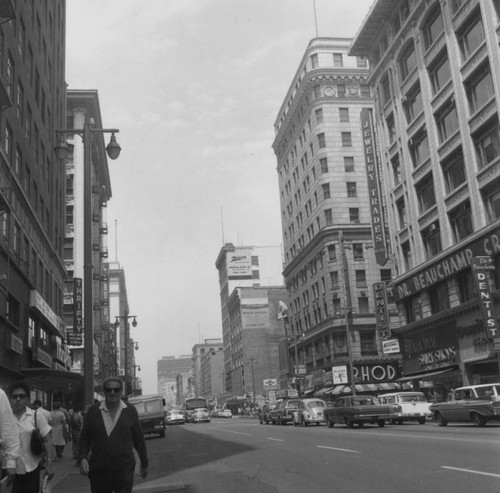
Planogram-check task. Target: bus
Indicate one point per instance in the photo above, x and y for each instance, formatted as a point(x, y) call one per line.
point(151, 413)
point(191, 404)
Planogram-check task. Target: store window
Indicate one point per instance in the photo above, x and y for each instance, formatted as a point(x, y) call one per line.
point(491, 200)
point(323, 162)
point(354, 215)
point(407, 255)
point(419, 148)
point(413, 309)
point(412, 103)
point(385, 89)
point(326, 191)
point(360, 278)
point(401, 208)
point(357, 251)
point(396, 169)
point(348, 164)
point(367, 341)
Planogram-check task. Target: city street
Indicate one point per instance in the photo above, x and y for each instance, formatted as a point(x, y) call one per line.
point(242, 455)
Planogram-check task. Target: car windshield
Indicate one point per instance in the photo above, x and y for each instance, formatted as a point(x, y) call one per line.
point(487, 392)
point(412, 398)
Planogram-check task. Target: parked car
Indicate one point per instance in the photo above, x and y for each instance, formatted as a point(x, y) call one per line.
point(476, 403)
point(224, 413)
point(359, 409)
point(199, 415)
point(414, 406)
point(309, 411)
point(265, 413)
point(283, 412)
point(175, 417)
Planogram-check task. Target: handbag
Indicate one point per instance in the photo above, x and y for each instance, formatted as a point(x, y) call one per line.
point(36, 443)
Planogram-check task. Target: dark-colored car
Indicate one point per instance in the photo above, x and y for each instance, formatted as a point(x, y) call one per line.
point(265, 414)
point(359, 409)
point(476, 403)
point(283, 412)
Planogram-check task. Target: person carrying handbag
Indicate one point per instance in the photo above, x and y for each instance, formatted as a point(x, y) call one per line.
point(28, 465)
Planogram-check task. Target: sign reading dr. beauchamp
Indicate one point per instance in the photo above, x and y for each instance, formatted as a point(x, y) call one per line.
point(239, 265)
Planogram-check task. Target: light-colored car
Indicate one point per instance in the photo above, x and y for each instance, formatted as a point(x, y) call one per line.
point(414, 406)
point(309, 411)
point(175, 417)
point(225, 413)
point(476, 403)
point(199, 415)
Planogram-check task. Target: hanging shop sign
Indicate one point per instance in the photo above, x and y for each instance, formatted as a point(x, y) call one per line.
point(482, 269)
point(374, 186)
point(382, 318)
point(77, 306)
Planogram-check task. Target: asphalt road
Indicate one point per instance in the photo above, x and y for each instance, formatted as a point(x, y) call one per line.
point(240, 455)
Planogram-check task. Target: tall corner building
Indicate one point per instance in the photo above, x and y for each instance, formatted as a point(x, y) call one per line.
point(436, 76)
point(330, 262)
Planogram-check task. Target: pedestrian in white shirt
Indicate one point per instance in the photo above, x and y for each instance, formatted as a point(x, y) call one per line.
point(9, 437)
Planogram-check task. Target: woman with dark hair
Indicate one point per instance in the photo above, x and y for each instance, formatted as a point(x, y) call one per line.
point(28, 464)
point(58, 423)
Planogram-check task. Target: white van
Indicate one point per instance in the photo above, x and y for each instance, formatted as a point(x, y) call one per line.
point(414, 406)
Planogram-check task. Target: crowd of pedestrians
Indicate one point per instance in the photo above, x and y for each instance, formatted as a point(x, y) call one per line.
point(103, 440)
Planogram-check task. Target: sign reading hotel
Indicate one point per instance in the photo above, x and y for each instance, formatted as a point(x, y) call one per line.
point(376, 209)
point(482, 267)
point(239, 265)
point(382, 318)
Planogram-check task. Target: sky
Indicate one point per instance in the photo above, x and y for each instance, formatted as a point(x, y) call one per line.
point(194, 87)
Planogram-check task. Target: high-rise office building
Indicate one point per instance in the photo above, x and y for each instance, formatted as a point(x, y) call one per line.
point(436, 74)
point(332, 256)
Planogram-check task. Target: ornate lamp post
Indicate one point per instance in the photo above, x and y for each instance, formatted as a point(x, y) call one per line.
point(126, 318)
point(62, 150)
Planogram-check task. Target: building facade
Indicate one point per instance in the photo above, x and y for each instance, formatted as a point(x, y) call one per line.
point(168, 369)
point(240, 267)
point(435, 73)
point(331, 259)
point(202, 380)
point(212, 375)
point(83, 106)
point(32, 200)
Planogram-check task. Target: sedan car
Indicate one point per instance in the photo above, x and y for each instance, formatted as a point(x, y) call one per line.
point(199, 415)
point(309, 411)
point(175, 417)
point(414, 406)
point(283, 412)
point(476, 403)
point(224, 413)
point(359, 409)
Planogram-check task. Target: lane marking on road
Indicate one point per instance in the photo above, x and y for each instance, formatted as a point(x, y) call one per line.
point(472, 471)
point(340, 449)
point(275, 439)
point(236, 432)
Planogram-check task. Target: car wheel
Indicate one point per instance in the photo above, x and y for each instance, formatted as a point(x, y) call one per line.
point(381, 423)
point(478, 420)
point(162, 434)
point(349, 422)
point(282, 423)
point(330, 422)
point(361, 424)
point(441, 420)
point(400, 421)
point(421, 421)
point(317, 424)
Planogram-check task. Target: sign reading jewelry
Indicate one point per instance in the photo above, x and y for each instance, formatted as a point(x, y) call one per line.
point(382, 318)
point(376, 208)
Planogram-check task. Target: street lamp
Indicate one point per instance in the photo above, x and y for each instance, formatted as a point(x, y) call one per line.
point(348, 312)
point(62, 150)
point(127, 337)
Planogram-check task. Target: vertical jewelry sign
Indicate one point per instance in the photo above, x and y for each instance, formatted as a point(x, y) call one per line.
point(372, 173)
point(482, 268)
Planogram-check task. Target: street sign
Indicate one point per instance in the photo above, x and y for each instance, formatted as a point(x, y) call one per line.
point(339, 374)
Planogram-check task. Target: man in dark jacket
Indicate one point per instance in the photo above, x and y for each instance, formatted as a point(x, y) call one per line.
point(111, 430)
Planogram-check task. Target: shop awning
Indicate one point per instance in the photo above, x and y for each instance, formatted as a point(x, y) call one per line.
point(324, 390)
point(309, 391)
point(54, 380)
point(430, 374)
point(338, 389)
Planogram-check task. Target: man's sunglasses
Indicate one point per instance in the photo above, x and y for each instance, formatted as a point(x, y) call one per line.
point(112, 390)
point(18, 396)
